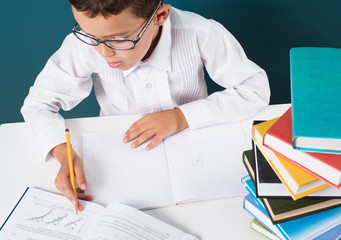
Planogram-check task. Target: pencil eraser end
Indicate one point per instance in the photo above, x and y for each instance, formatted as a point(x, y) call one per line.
point(67, 130)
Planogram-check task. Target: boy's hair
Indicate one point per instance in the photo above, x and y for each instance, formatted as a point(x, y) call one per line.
point(140, 8)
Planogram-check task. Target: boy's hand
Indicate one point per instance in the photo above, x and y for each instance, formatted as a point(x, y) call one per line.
point(155, 126)
point(62, 180)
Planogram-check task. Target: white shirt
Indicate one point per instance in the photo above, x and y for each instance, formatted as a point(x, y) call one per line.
point(173, 76)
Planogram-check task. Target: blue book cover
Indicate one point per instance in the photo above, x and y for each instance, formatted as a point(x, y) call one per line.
point(250, 187)
point(334, 233)
point(315, 75)
point(22, 196)
point(308, 227)
point(250, 204)
point(286, 209)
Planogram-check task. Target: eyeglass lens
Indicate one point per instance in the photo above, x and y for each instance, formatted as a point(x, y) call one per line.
point(118, 44)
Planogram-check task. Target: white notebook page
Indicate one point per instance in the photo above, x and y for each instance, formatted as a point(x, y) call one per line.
point(207, 162)
point(120, 222)
point(42, 215)
point(117, 173)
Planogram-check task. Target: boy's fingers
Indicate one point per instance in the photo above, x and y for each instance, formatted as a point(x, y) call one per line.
point(79, 172)
point(69, 194)
point(85, 196)
point(142, 138)
point(63, 184)
point(135, 130)
point(156, 139)
point(65, 187)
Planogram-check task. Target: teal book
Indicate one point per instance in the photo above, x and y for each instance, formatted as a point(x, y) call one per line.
point(315, 75)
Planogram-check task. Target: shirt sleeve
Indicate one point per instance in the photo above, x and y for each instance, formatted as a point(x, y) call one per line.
point(63, 83)
point(246, 84)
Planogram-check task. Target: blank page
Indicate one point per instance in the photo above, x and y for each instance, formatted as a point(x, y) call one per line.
point(117, 173)
point(207, 162)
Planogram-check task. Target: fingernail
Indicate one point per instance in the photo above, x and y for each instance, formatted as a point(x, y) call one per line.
point(74, 202)
point(84, 186)
point(125, 140)
point(133, 145)
point(147, 148)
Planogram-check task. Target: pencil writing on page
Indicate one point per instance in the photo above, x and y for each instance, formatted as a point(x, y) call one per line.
point(72, 174)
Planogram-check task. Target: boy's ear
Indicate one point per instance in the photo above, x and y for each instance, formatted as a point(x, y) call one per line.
point(162, 14)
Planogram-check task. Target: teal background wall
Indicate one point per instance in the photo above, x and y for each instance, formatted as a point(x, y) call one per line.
point(31, 31)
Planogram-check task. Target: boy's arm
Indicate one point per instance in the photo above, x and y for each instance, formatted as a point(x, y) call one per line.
point(246, 84)
point(247, 90)
point(63, 83)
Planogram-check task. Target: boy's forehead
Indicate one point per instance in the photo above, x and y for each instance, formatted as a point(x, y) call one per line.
point(108, 26)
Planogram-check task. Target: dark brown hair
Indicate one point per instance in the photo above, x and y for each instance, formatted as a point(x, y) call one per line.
point(140, 8)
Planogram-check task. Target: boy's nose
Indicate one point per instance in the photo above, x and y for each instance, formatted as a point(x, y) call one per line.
point(105, 51)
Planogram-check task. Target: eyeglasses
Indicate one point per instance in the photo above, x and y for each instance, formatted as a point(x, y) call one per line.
point(117, 44)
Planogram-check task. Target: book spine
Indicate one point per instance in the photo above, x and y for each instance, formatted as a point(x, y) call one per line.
point(247, 182)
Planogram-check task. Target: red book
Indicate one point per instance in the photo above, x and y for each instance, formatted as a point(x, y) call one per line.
point(325, 166)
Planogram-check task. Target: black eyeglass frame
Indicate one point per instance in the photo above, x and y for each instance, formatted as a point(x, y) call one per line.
point(98, 41)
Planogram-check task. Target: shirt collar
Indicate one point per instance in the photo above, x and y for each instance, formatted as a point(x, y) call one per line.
point(161, 56)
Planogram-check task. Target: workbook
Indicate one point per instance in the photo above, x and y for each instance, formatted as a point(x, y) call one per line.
point(187, 166)
point(42, 215)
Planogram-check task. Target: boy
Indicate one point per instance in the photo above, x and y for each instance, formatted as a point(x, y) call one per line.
point(147, 58)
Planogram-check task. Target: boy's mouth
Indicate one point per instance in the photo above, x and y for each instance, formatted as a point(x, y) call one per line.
point(114, 64)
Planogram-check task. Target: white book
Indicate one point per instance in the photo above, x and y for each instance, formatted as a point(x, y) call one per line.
point(190, 165)
point(42, 215)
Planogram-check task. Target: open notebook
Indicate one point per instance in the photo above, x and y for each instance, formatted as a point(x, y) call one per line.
point(190, 165)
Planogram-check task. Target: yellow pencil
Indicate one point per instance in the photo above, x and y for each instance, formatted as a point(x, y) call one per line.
point(72, 174)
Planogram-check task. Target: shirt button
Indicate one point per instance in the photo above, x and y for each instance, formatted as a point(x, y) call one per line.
point(149, 85)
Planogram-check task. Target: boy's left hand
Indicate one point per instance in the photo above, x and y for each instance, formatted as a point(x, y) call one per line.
point(155, 126)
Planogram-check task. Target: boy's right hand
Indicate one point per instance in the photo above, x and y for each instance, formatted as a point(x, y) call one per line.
point(62, 180)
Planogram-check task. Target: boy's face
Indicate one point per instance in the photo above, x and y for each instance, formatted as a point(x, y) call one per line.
point(123, 25)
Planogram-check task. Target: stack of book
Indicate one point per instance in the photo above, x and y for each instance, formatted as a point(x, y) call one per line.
point(295, 165)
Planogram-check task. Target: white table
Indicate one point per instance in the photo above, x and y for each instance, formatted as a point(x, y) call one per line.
point(22, 165)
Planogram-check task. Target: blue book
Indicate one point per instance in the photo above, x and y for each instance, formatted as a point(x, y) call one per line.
point(308, 227)
point(334, 233)
point(286, 209)
point(250, 187)
point(315, 97)
point(250, 204)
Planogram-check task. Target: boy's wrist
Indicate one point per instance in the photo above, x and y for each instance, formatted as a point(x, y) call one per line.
point(182, 119)
point(60, 153)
